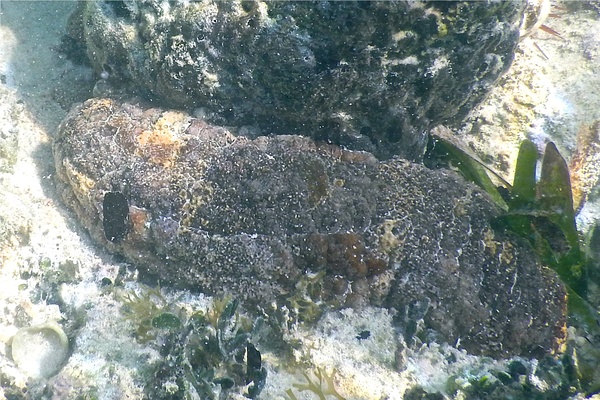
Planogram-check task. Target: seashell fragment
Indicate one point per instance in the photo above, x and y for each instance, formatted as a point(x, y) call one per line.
point(40, 351)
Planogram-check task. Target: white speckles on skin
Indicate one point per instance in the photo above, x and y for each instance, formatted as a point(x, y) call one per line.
point(400, 35)
point(210, 79)
point(411, 60)
point(438, 64)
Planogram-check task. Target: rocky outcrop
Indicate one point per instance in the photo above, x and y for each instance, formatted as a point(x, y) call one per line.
point(201, 208)
point(370, 76)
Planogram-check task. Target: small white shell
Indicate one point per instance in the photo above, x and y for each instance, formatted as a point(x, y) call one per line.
point(41, 350)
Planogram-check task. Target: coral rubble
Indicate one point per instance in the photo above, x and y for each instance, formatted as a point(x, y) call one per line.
point(367, 75)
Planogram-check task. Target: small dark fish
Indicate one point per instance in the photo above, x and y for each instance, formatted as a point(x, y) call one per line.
point(115, 214)
point(363, 335)
point(255, 372)
point(253, 363)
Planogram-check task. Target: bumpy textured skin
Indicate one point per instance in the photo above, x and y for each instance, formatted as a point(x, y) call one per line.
point(221, 213)
point(372, 76)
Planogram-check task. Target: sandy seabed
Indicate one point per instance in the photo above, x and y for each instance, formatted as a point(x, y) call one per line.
point(46, 259)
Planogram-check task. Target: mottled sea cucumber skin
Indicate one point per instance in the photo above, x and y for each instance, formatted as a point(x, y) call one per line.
point(223, 213)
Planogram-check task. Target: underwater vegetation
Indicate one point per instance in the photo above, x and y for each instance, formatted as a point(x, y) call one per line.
point(204, 355)
point(142, 309)
point(541, 211)
point(521, 382)
point(212, 353)
point(322, 385)
point(550, 378)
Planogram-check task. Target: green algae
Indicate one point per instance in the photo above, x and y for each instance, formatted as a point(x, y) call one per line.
point(306, 302)
point(141, 309)
point(549, 378)
point(202, 352)
point(55, 273)
point(541, 211)
point(206, 357)
point(9, 146)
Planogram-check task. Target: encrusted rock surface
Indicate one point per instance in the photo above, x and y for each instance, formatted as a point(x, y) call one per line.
point(225, 214)
point(367, 75)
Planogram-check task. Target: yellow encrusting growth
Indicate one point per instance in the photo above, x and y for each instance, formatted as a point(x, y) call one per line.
point(160, 144)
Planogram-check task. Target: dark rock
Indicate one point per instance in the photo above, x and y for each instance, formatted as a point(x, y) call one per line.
point(367, 75)
point(226, 214)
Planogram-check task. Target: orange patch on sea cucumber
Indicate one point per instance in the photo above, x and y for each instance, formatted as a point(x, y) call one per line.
point(139, 218)
point(160, 144)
